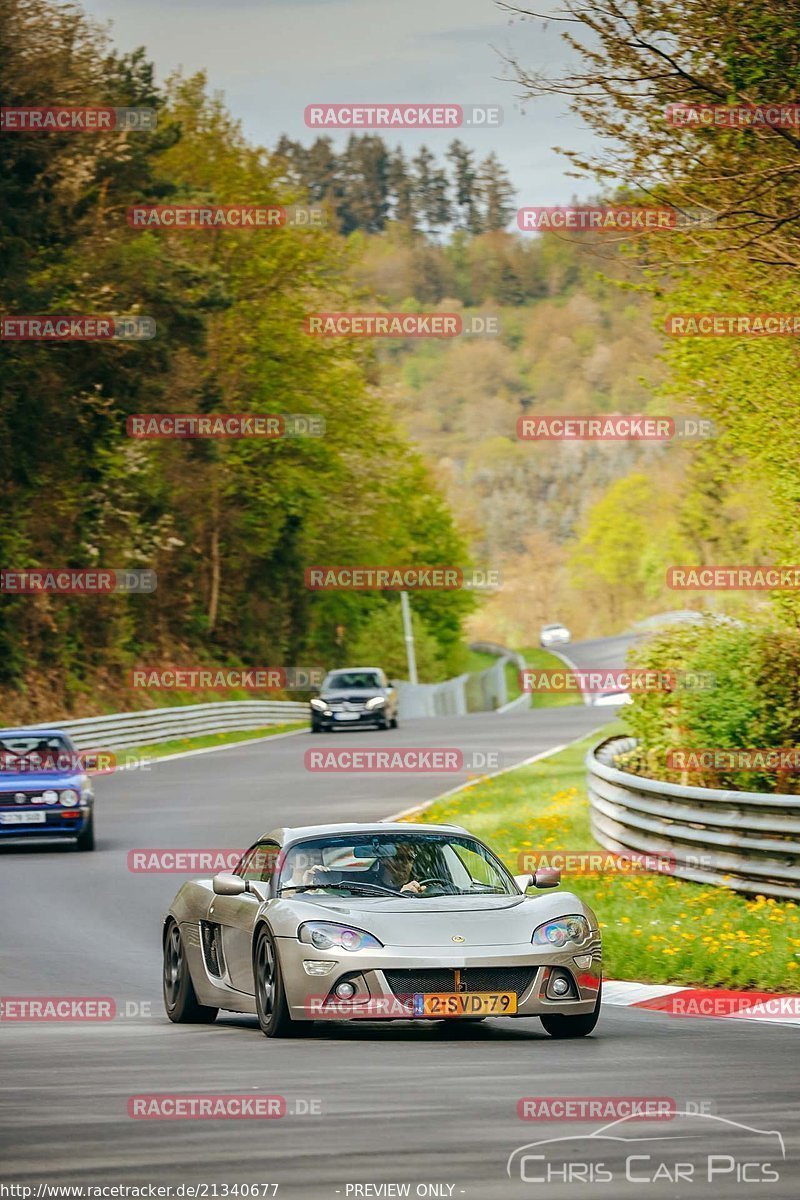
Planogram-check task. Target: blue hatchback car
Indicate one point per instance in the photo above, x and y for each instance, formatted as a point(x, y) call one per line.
point(45, 792)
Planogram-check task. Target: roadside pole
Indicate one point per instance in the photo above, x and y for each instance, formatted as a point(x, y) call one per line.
point(408, 633)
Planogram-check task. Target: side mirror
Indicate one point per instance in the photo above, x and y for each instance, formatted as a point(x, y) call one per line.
point(547, 877)
point(228, 884)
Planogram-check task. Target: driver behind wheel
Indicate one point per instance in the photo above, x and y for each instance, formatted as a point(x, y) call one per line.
point(396, 872)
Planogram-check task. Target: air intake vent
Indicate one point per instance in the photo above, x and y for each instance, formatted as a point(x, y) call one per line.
point(212, 949)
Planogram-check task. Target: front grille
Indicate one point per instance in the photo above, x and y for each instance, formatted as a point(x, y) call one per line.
point(352, 705)
point(473, 979)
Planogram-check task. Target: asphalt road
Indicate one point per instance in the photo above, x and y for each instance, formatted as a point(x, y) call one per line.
point(406, 1104)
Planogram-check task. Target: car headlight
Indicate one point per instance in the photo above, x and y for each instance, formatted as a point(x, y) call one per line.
point(324, 935)
point(319, 705)
point(69, 798)
point(376, 702)
point(50, 797)
point(560, 932)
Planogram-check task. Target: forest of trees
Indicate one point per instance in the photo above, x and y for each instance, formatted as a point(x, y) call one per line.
point(583, 533)
point(368, 185)
point(229, 526)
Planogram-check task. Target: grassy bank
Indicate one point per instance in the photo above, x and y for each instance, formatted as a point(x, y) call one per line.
point(656, 928)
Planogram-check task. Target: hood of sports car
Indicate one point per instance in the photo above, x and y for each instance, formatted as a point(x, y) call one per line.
point(441, 921)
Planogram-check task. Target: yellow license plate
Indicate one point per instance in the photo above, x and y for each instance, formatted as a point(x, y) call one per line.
point(464, 1004)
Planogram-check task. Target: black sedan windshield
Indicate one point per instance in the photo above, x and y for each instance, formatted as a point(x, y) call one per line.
point(351, 679)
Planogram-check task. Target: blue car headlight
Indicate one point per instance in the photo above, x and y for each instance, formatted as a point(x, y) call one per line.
point(562, 932)
point(69, 798)
point(325, 935)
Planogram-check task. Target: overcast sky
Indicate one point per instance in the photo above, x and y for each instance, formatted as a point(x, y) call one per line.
point(273, 57)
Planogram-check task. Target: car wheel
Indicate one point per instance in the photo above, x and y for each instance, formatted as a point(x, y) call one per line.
point(394, 723)
point(180, 998)
point(271, 1006)
point(560, 1026)
point(85, 839)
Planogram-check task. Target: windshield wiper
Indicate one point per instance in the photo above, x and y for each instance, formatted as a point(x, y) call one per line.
point(337, 887)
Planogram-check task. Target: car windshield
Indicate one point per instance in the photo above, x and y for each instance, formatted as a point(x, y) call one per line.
point(351, 679)
point(34, 752)
point(420, 865)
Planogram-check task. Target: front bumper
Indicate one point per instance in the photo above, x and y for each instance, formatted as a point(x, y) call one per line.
point(55, 827)
point(354, 719)
point(311, 997)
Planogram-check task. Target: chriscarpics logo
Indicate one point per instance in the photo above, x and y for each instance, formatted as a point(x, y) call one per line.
point(630, 1154)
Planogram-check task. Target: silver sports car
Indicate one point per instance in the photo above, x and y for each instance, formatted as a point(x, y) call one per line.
point(389, 921)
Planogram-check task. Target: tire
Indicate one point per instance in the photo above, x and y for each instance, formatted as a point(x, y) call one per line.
point(559, 1026)
point(85, 839)
point(271, 1007)
point(394, 723)
point(180, 1000)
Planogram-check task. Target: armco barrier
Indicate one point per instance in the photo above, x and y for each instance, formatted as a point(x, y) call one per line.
point(119, 730)
point(477, 691)
point(747, 841)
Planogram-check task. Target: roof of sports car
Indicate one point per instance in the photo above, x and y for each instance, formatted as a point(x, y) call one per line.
point(291, 834)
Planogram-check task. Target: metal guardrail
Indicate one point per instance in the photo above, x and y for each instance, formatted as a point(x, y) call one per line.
point(482, 691)
point(476, 691)
point(747, 841)
point(120, 730)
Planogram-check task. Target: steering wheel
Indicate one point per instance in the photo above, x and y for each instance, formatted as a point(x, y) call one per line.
point(434, 879)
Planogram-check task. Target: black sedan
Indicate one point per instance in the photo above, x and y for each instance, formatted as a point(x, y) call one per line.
point(354, 696)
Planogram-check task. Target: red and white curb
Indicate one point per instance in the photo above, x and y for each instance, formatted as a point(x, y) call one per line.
point(680, 1001)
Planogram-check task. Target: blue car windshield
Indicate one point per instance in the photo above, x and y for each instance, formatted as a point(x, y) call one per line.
point(31, 753)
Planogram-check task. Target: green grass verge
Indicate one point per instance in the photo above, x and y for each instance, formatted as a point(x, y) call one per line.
point(543, 660)
point(656, 928)
point(160, 749)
